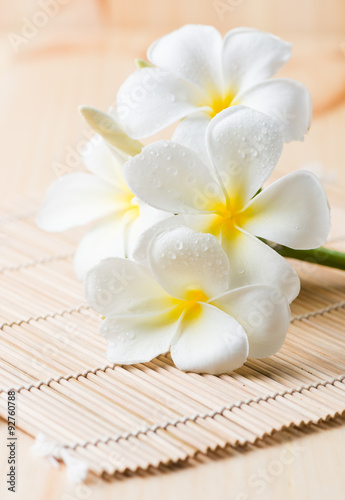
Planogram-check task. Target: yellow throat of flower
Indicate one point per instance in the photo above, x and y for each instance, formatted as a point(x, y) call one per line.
point(130, 204)
point(218, 101)
point(190, 306)
point(229, 219)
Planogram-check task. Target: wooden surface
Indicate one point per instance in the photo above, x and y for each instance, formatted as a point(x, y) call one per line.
point(303, 464)
point(80, 57)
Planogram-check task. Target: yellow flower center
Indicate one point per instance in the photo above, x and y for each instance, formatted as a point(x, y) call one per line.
point(218, 101)
point(129, 202)
point(133, 205)
point(193, 296)
point(229, 219)
point(190, 306)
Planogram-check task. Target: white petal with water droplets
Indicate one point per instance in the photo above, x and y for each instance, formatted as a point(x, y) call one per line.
point(120, 287)
point(250, 56)
point(191, 132)
point(151, 99)
point(182, 261)
point(285, 100)
point(253, 262)
point(148, 217)
point(136, 339)
point(264, 314)
point(140, 250)
point(244, 146)
point(293, 211)
point(209, 342)
point(171, 177)
point(193, 53)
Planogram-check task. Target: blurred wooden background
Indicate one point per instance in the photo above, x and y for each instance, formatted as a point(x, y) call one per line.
point(80, 54)
point(85, 48)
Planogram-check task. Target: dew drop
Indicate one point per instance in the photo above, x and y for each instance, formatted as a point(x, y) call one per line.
point(179, 245)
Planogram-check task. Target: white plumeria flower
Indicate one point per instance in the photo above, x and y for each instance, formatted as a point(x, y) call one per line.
point(102, 195)
point(185, 301)
point(196, 75)
point(243, 146)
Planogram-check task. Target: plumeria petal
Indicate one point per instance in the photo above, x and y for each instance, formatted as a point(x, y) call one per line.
point(106, 239)
point(193, 53)
point(148, 217)
point(171, 177)
point(209, 341)
point(244, 146)
point(119, 287)
point(100, 161)
point(293, 211)
point(183, 261)
point(250, 56)
point(285, 100)
point(111, 129)
point(191, 132)
point(140, 250)
point(138, 339)
point(264, 314)
point(198, 223)
point(76, 199)
point(151, 99)
point(254, 262)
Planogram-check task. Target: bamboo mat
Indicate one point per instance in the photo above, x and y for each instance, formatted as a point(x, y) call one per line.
point(119, 418)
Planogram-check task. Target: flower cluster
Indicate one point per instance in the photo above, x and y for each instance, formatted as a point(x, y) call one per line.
point(181, 255)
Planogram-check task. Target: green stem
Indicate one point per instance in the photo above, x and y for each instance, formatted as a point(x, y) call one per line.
point(322, 256)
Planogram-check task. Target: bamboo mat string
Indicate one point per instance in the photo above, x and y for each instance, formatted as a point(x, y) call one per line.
point(211, 414)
